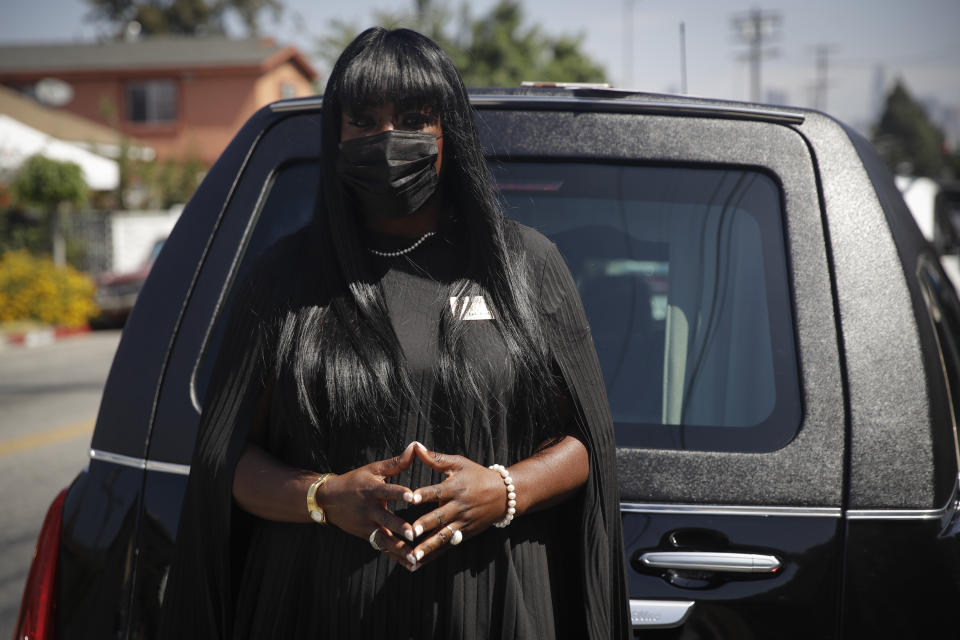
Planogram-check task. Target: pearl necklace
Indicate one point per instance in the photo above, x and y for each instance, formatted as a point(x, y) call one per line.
point(394, 254)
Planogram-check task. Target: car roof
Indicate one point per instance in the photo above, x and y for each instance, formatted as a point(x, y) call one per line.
point(591, 98)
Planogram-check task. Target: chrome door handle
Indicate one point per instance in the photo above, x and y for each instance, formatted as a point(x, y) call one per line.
point(711, 561)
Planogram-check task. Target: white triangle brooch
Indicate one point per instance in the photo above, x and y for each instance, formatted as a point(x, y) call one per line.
point(470, 308)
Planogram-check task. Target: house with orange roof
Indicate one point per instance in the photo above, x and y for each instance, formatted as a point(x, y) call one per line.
point(183, 97)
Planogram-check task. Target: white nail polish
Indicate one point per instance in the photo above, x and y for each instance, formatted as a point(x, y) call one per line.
point(422, 448)
point(419, 556)
point(417, 498)
point(408, 535)
point(419, 530)
point(408, 496)
point(411, 559)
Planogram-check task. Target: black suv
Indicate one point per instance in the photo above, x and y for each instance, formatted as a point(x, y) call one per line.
point(778, 341)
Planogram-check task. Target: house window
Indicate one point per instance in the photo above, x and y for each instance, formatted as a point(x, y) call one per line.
point(287, 90)
point(152, 101)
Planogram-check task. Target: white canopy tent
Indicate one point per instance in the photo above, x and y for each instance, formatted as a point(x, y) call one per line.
point(18, 142)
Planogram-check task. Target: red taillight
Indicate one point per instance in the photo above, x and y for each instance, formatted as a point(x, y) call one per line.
point(36, 609)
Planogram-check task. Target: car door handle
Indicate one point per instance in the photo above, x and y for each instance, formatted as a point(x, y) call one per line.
point(711, 561)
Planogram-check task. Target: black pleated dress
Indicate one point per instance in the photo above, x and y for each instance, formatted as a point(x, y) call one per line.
point(557, 573)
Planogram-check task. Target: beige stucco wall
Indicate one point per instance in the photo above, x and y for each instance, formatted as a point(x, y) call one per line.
point(269, 86)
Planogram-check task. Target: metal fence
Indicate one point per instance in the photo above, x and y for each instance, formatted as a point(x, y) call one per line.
point(90, 241)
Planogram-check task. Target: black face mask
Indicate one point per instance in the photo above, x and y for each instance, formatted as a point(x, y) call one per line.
point(390, 174)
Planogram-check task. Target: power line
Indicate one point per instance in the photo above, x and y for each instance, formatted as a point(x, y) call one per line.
point(628, 43)
point(946, 56)
point(755, 29)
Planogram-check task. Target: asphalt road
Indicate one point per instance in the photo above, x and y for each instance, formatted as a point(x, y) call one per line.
point(49, 397)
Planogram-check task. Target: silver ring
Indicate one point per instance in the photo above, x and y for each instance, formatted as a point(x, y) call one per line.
point(373, 541)
point(456, 536)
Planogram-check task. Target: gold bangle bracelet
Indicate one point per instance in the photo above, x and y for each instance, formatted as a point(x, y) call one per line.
point(315, 510)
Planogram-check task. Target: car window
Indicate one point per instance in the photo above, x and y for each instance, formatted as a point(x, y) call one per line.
point(155, 250)
point(944, 310)
point(683, 278)
point(291, 196)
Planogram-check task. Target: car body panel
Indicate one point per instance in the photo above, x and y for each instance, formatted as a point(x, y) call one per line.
point(807, 472)
point(98, 553)
point(872, 467)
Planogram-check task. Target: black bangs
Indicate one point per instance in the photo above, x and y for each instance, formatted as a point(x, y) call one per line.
point(399, 66)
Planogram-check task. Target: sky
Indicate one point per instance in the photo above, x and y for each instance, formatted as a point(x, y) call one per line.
point(870, 43)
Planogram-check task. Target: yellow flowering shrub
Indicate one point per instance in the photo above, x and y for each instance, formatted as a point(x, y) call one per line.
point(34, 288)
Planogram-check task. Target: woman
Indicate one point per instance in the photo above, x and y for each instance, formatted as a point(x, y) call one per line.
point(412, 317)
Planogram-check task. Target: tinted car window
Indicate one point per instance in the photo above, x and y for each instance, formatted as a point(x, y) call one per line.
point(290, 198)
point(944, 309)
point(683, 277)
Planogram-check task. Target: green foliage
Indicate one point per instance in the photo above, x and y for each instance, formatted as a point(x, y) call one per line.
point(52, 186)
point(181, 17)
point(502, 52)
point(249, 12)
point(124, 171)
point(20, 229)
point(33, 288)
point(495, 49)
point(158, 185)
point(47, 183)
point(427, 17)
point(24, 230)
point(905, 136)
point(171, 182)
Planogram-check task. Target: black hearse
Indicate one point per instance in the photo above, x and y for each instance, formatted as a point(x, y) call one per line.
point(779, 345)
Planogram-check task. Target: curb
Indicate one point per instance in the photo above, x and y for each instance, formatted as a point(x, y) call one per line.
point(39, 337)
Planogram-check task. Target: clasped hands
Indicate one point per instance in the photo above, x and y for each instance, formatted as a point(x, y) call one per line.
point(470, 499)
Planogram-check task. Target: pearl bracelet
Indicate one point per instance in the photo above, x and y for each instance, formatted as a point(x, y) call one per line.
point(511, 495)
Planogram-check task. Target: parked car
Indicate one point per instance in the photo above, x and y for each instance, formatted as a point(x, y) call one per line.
point(117, 292)
point(778, 341)
point(935, 206)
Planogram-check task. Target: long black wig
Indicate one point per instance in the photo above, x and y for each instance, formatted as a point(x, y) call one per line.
point(348, 346)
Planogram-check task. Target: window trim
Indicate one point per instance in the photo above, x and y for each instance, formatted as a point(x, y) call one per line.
point(925, 265)
point(231, 279)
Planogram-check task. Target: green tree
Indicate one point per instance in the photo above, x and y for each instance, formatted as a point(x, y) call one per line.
point(181, 17)
point(905, 136)
point(22, 229)
point(494, 49)
point(176, 181)
point(52, 186)
point(427, 17)
point(501, 51)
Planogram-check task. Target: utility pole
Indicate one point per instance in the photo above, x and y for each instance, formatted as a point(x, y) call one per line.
point(821, 84)
point(683, 58)
point(628, 44)
point(755, 29)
